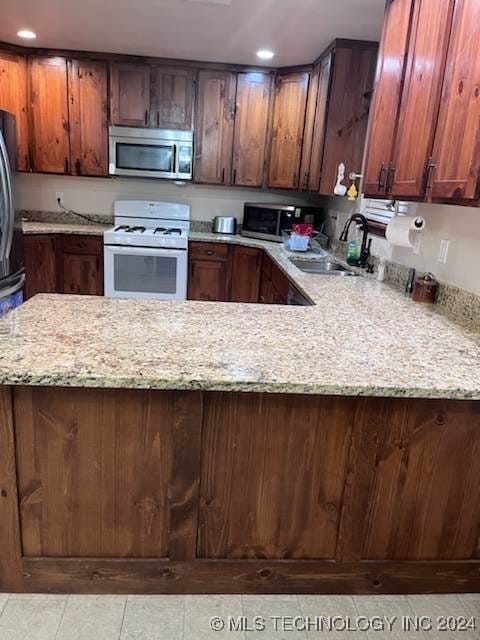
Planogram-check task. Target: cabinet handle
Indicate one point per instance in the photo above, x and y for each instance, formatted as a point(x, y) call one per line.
point(158, 119)
point(78, 166)
point(429, 169)
point(390, 178)
point(381, 184)
point(305, 180)
point(234, 176)
point(67, 168)
point(146, 117)
point(295, 179)
point(27, 163)
point(209, 252)
point(223, 174)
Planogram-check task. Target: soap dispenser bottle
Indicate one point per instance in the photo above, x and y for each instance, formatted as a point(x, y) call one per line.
point(353, 253)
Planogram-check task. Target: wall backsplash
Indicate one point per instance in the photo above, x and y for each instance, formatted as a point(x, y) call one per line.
point(459, 225)
point(37, 192)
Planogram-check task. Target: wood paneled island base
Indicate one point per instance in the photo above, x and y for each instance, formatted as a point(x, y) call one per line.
point(134, 491)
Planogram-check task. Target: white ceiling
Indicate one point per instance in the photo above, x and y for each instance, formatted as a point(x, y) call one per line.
point(208, 30)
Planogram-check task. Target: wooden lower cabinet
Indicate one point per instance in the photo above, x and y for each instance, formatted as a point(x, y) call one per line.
point(223, 273)
point(41, 273)
point(63, 264)
point(208, 280)
point(246, 274)
point(143, 491)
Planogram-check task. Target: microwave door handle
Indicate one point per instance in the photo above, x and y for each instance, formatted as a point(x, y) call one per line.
point(279, 223)
point(174, 159)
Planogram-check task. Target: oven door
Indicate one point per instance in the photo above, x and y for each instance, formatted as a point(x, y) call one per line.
point(139, 272)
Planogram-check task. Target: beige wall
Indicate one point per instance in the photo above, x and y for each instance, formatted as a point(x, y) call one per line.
point(460, 225)
point(96, 195)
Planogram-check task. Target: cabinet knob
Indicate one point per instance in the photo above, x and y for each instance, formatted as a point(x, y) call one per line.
point(209, 252)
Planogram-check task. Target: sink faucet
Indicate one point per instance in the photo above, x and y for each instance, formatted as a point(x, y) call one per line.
point(365, 249)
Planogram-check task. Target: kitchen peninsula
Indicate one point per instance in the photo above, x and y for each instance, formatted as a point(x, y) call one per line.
point(195, 447)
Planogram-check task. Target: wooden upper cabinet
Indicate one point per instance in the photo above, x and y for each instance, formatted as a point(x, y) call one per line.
point(13, 98)
point(421, 95)
point(130, 94)
point(387, 94)
point(49, 136)
point(348, 111)
point(287, 131)
point(214, 127)
point(455, 163)
point(251, 127)
point(314, 138)
point(172, 98)
point(87, 83)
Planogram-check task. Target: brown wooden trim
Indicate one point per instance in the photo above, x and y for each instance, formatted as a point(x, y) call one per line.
point(11, 577)
point(77, 575)
point(346, 43)
point(185, 476)
point(133, 59)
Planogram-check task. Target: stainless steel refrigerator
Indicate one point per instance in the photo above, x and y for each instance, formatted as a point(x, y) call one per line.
point(12, 275)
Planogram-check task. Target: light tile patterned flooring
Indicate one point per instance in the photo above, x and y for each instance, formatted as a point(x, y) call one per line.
point(53, 617)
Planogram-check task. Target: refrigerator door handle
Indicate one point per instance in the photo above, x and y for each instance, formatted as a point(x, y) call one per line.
point(6, 190)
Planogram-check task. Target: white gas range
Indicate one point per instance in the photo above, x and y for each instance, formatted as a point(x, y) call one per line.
point(146, 252)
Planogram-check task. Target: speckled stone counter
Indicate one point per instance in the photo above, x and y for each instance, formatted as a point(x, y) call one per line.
point(360, 337)
point(34, 228)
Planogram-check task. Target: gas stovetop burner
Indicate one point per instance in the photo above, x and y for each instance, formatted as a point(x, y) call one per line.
point(164, 231)
point(128, 229)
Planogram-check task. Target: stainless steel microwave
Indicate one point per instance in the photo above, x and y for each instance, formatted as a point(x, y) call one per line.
point(150, 153)
point(267, 221)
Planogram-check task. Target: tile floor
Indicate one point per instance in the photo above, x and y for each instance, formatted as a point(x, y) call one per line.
point(52, 617)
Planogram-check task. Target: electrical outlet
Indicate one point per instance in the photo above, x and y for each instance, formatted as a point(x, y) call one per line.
point(59, 197)
point(443, 251)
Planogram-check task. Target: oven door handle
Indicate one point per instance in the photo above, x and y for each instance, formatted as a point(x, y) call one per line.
point(112, 249)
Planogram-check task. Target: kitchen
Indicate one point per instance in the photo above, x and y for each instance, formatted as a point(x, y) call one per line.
point(240, 348)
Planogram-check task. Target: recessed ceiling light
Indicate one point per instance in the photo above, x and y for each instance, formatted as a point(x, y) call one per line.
point(27, 34)
point(265, 54)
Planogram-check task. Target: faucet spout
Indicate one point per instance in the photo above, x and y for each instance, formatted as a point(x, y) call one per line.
point(365, 249)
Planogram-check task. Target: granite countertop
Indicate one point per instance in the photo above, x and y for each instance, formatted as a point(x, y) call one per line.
point(361, 337)
point(31, 228)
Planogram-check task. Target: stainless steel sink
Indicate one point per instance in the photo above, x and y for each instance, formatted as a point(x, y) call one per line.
point(325, 267)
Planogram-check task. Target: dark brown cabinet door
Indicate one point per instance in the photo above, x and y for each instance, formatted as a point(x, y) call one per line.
point(13, 98)
point(40, 265)
point(387, 94)
point(87, 83)
point(208, 280)
point(314, 138)
point(82, 265)
point(251, 126)
point(421, 94)
point(348, 110)
point(82, 274)
point(287, 131)
point(49, 137)
point(130, 94)
point(246, 274)
point(456, 153)
point(214, 127)
point(172, 98)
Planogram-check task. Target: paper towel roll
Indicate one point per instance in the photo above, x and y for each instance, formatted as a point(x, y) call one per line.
point(401, 230)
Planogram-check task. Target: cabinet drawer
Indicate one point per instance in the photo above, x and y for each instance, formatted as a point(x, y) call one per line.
point(82, 244)
point(208, 251)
